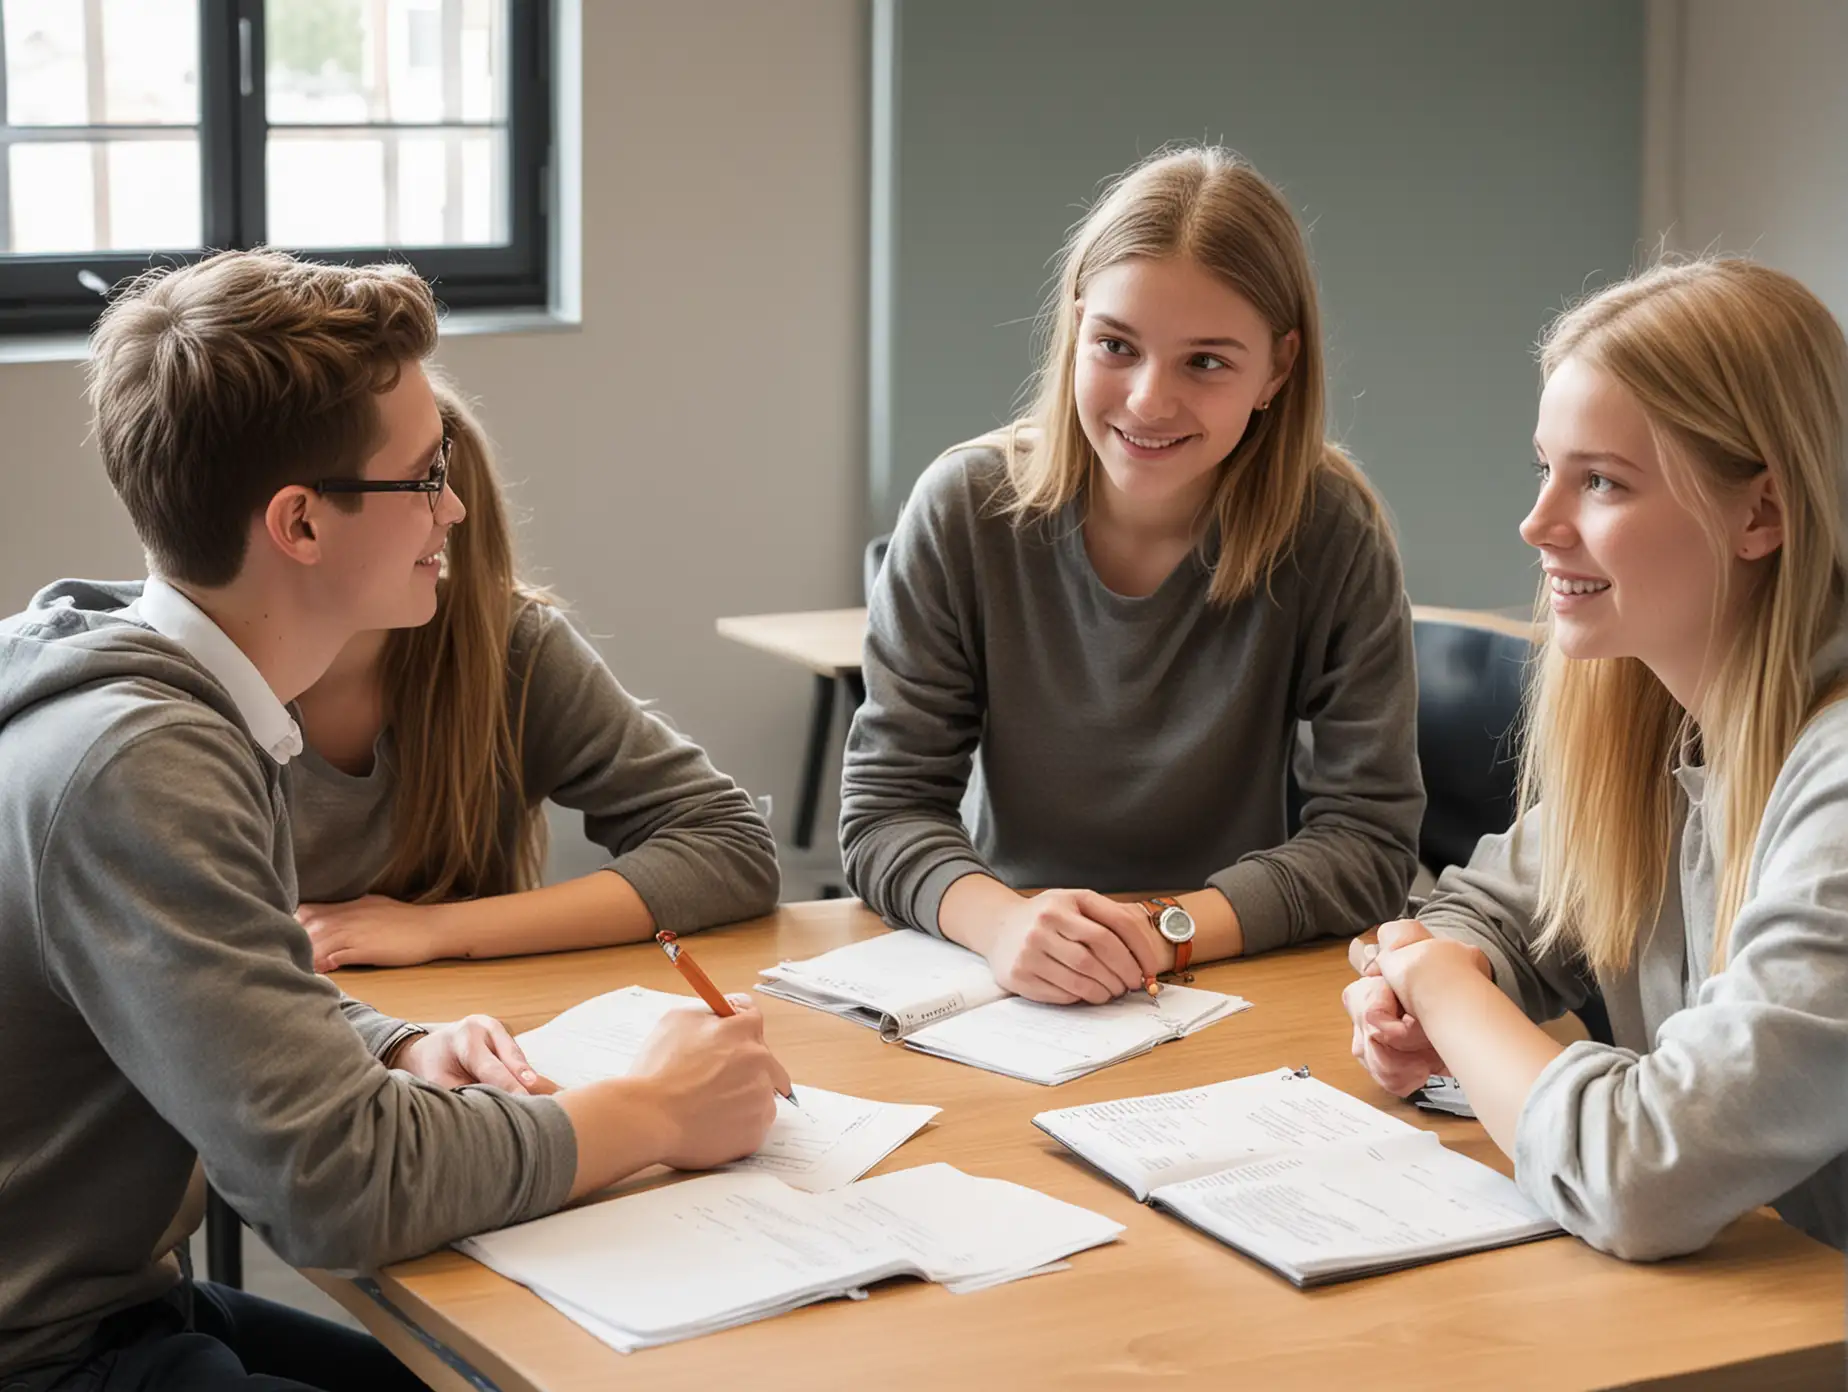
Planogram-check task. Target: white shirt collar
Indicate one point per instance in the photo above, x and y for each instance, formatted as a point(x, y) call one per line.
point(172, 615)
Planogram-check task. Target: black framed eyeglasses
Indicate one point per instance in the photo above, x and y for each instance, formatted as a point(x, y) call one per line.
point(432, 484)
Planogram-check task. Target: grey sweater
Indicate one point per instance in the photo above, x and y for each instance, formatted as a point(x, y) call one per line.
point(688, 838)
point(1132, 744)
point(1723, 1091)
point(157, 1004)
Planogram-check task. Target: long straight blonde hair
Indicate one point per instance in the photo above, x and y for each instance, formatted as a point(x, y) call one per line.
point(1740, 370)
point(1209, 205)
point(463, 825)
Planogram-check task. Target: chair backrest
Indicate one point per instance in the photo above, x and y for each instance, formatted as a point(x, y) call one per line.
point(870, 563)
point(1471, 666)
point(1471, 673)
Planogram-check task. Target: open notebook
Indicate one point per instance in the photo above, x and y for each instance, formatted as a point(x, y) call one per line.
point(942, 999)
point(897, 983)
point(722, 1250)
point(1315, 1184)
point(830, 1140)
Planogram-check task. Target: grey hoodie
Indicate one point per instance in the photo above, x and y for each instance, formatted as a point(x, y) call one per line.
point(157, 1005)
point(1725, 1090)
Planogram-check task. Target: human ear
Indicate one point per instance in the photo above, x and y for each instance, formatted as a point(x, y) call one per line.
point(1283, 361)
point(289, 524)
point(1763, 532)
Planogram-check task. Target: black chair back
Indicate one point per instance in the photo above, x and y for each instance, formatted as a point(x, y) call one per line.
point(1471, 679)
point(1470, 683)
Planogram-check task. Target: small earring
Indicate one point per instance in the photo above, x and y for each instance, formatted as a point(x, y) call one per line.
point(1264, 405)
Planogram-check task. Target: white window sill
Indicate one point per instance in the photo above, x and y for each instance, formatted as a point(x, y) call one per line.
point(71, 347)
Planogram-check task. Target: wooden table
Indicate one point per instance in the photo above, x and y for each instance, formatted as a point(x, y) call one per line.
point(827, 642)
point(1762, 1308)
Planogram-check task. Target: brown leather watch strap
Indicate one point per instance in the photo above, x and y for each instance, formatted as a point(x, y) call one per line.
point(1183, 952)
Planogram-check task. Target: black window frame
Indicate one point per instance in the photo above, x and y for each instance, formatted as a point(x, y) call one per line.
point(43, 293)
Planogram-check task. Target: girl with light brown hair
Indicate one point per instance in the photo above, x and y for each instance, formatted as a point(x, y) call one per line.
point(1114, 613)
point(417, 806)
point(1683, 840)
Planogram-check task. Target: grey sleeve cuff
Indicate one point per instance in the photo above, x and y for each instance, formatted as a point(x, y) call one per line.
point(929, 898)
point(1256, 895)
point(554, 1154)
point(379, 1032)
point(685, 901)
point(1570, 1158)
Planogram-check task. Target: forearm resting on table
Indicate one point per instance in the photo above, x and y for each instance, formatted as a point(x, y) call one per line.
point(622, 1126)
point(595, 910)
point(1494, 1050)
point(974, 907)
point(1217, 932)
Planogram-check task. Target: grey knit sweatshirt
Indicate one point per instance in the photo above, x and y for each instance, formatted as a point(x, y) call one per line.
point(688, 838)
point(1724, 1090)
point(157, 1004)
point(1134, 744)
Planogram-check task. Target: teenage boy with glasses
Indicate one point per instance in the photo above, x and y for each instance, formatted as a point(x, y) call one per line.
point(157, 1004)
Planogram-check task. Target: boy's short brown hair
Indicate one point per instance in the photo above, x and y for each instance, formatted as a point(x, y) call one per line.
point(219, 383)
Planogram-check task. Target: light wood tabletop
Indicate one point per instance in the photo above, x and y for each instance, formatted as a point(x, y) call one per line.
point(826, 641)
point(1762, 1308)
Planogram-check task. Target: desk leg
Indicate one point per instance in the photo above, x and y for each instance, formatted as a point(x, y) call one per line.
point(856, 688)
point(821, 724)
point(224, 1242)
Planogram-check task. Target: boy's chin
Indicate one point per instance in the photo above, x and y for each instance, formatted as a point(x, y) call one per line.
point(414, 611)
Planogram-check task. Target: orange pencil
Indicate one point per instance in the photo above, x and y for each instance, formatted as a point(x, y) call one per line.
point(702, 984)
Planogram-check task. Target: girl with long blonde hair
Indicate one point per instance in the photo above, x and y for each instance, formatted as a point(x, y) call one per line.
point(1683, 843)
point(417, 806)
point(1113, 615)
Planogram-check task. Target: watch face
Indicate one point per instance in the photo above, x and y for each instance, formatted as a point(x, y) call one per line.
point(1176, 925)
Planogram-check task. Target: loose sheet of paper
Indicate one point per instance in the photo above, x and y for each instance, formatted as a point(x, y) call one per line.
point(1358, 1207)
point(601, 1037)
point(833, 1139)
point(691, 1257)
point(1055, 1043)
point(970, 1233)
point(1168, 1137)
point(829, 1140)
point(718, 1251)
point(901, 979)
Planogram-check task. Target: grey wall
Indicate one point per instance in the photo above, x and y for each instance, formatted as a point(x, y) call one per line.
point(1464, 168)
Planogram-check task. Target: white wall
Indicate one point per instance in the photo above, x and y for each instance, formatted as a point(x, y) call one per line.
point(1754, 157)
point(695, 450)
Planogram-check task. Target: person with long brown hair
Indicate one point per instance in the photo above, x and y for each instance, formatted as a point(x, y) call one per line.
point(417, 804)
point(1683, 840)
point(1116, 612)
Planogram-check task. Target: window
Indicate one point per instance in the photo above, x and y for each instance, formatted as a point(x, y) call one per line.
point(138, 132)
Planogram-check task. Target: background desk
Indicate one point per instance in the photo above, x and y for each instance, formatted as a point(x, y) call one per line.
point(1761, 1309)
point(827, 642)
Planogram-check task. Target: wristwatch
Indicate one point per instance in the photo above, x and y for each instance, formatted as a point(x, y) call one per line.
point(1176, 926)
